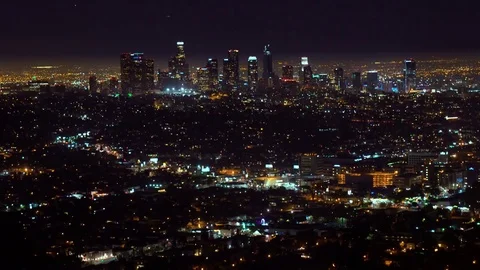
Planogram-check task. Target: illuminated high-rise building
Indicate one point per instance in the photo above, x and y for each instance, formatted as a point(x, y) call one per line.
point(177, 65)
point(252, 72)
point(410, 74)
point(304, 61)
point(287, 73)
point(307, 75)
point(303, 64)
point(126, 72)
point(92, 84)
point(212, 66)
point(372, 80)
point(181, 57)
point(227, 73)
point(231, 70)
point(181, 61)
point(148, 75)
point(357, 80)
point(136, 73)
point(339, 79)
point(172, 67)
point(267, 63)
point(203, 79)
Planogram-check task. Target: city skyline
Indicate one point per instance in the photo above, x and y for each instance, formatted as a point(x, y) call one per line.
point(198, 60)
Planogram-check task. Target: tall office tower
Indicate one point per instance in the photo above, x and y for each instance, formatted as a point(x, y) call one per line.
point(287, 73)
point(129, 69)
point(126, 70)
point(410, 74)
point(137, 73)
point(178, 67)
point(372, 80)
point(148, 75)
point(181, 62)
point(357, 81)
point(303, 64)
point(227, 72)
point(267, 63)
point(212, 66)
point(203, 79)
point(304, 61)
point(92, 84)
point(307, 75)
point(252, 72)
point(172, 67)
point(231, 70)
point(339, 79)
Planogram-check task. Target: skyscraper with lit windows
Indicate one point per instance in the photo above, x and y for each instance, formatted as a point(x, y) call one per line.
point(267, 63)
point(307, 75)
point(212, 66)
point(231, 70)
point(410, 74)
point(203, 79)
point(339, 79)
point(372, 80)
point(177, 66)
point(148, 75)
point(303, 64)
point(252, 72)
point(172, 67)
point(357, 81)
point(136, 73)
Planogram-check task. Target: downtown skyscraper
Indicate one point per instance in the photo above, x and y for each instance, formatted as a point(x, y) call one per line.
point(231, 70)
point(267, 63)
point(203, 79)
point(339, 79)
point(357, 80)
point(410, 74)
point(212, 66)
point(252, 72)
point(178, 67)
point(303, 64)
point(137, 73)
point(207, 77)
point(372, 80)
point(307, 75)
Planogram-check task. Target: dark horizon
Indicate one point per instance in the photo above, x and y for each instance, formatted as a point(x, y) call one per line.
point(92, 29)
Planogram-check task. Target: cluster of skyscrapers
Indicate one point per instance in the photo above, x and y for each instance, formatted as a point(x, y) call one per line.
point(137, 74)
point(208, 77)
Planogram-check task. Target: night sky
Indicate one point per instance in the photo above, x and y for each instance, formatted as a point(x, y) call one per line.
point(103, 28)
